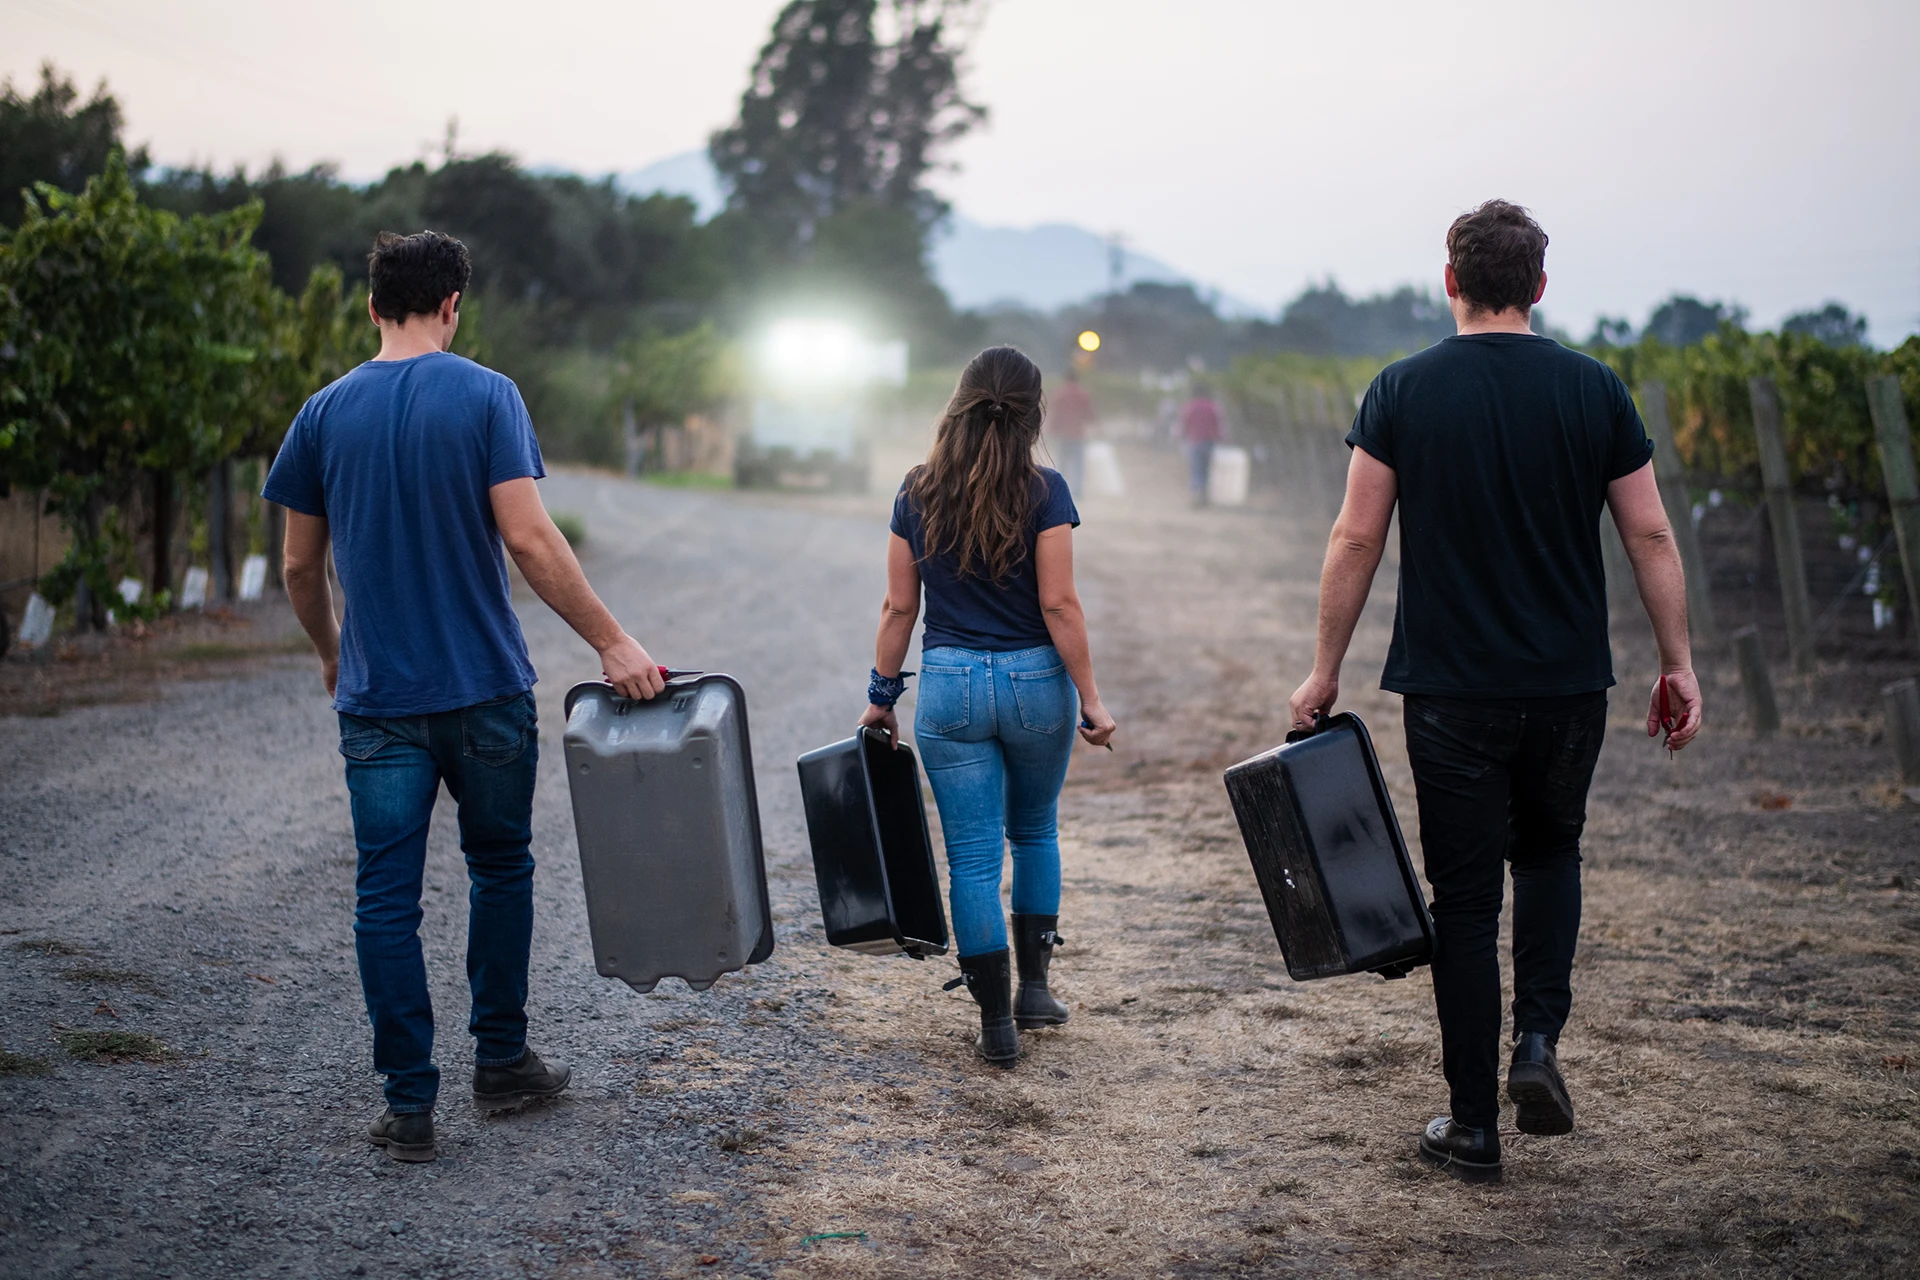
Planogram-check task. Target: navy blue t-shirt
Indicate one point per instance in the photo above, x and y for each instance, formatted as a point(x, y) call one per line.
point(974, 612)
point(1503, 445)
point(398, 457)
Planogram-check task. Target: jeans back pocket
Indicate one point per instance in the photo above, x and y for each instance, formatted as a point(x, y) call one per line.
point(495, 733)
point(944, 701)
point(1043, 698)
point(360, 738)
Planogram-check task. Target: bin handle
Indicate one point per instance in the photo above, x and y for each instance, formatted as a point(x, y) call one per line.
point(1321, 723)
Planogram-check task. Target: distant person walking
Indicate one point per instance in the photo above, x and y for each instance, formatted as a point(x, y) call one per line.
point(1070, 417)
point(1501, 448)
point(1202, 426)
point(989, 536)
point(416, 467)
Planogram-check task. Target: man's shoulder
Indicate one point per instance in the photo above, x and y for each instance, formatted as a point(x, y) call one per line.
point(1459, 351)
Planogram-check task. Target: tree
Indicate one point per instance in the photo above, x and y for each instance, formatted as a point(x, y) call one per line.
point(838, 131)
point(1611, 331)
point(1682, 321)
point(130, 349)
point(1832, 324)
point(53, 137)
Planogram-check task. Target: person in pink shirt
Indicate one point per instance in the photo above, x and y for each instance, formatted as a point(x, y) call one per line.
point(1202, 426)
point(1069, 415)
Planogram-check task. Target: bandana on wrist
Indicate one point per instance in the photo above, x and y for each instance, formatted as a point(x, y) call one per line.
point(884, 691)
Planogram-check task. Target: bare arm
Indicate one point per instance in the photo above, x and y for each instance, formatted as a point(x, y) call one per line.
point(899, 610)
point(1067, 625)
point(304, 569)
point(1642, 520)
point(549, 566)
point(1353, 554)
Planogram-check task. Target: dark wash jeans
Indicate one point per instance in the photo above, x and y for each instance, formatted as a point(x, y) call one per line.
point(487, 755)
point(1501, 781)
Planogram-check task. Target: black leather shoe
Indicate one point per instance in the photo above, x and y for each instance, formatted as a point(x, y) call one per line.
point(1034, 938)
point(1533, 1083)
point(1472, 1155)
point(504, 1088)
point(407, 1136)
point(989, 979)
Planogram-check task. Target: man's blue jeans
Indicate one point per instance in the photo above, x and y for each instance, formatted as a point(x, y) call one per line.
point(486, 754)
point(995, 731)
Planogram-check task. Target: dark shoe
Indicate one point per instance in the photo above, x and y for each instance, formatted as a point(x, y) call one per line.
point(407, 1136)
point(989, 980)
point(1033, 942)
point(1534, 1084)
point(1472, 1155)
point(504, 1088)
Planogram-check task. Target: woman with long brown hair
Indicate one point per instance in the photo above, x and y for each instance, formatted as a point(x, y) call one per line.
point(988, 534)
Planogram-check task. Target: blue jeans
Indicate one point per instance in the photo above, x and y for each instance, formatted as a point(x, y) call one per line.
point(995, 731)
point(486, 754)
point(1199, 463)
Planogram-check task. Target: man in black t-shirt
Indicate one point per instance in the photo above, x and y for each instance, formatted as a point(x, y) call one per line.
point(1500, 448)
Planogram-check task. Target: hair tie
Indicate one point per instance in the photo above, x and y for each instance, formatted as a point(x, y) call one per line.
point(995, 410)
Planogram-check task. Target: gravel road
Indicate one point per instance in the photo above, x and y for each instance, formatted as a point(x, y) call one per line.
point(1742, 1051)
point(185, 867)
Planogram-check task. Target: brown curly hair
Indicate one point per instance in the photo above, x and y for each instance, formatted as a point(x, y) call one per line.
point(1497, 252)
point(979, 486)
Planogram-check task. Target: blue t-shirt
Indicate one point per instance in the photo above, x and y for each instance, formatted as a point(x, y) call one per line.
point(974, 612)
point(398, 457)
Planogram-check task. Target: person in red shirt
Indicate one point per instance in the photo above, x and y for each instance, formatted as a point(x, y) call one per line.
point(1069, 415)
point(1202, 427)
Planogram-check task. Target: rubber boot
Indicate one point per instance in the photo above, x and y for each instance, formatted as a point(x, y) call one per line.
point(1033, 942)
point(989, 979)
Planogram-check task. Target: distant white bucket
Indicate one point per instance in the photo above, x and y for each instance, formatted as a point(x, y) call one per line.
point(36, 626)
point(1103, 471)
point(253, 577)
point(1228, 475)
point(193, 591)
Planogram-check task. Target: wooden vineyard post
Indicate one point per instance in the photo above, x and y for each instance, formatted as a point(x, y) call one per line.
point(1672, 477)
point(1903, 486)
point(1786, 522)
point(1763, 713)
point(1903, 727)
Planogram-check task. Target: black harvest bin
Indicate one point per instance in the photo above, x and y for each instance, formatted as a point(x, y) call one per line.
point(1327, 850)
point(871, 853)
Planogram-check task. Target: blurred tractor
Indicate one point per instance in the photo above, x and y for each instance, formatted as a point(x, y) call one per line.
point(812, 392)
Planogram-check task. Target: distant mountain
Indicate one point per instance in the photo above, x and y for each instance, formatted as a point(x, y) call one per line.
point(690, 174)
point(1043, 267)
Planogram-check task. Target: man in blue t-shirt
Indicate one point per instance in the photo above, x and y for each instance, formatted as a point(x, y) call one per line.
point(417, 467)
point(1501, 448)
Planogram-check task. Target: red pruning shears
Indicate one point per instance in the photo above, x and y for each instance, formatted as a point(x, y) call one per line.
point(671, 673)
point(1667, 723)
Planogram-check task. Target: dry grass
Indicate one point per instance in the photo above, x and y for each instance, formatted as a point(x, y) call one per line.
point(1204, 1115)
point(49, 947)
point(113, 1046)
point(132, 979)
point(20, 1064)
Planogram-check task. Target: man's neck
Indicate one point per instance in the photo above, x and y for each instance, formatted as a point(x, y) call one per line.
point(405, 341)
point(1511, 320)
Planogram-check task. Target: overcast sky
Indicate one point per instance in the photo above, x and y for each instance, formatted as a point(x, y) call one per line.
point(1763, 153)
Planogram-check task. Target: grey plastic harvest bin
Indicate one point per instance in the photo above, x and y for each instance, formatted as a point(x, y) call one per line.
point(669, 829)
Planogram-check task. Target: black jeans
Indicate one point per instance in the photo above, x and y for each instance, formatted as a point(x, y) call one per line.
point(1501, 781)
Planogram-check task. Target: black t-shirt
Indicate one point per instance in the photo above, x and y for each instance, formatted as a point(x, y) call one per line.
point(975, 612)
point(1503, 445)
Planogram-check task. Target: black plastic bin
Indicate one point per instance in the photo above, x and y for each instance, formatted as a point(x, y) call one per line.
point(1327, 850)
point(872, 856)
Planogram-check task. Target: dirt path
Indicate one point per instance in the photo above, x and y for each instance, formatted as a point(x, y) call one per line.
point(1746, 1006)
point(1747, 977)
